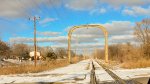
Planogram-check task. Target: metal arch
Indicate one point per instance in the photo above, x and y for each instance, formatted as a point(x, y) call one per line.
point(89, 26)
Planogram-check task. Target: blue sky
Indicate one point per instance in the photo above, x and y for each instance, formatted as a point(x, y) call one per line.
point(57, 16)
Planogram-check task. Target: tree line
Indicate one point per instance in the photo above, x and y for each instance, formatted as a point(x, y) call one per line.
point(21, 50)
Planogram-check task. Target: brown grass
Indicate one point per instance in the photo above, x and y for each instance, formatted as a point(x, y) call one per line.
point(143, 63)
point(49, 65)
point(32, 69)
point(76, 59)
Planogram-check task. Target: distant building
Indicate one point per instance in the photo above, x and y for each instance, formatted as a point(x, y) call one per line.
point(31, 54)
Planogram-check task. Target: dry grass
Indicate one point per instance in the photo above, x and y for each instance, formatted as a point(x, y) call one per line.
point(76, 59)
point(32, 69)
point(143, 63)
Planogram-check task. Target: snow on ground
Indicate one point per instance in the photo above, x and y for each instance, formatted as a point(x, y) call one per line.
point(133, 73)
point(15, 61)
point(75, 73)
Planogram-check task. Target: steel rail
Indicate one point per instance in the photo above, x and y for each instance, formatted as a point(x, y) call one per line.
point(117, 79)
point(92, 75)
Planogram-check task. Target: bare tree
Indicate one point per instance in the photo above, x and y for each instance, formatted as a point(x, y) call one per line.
point(4, 49)
point(61, 52)
point(44, 51)
point(142, 32)
point(114, 51)
point(48, 53)
point(20, 50)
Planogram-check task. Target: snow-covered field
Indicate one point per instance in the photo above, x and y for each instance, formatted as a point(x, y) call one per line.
point(74, 73)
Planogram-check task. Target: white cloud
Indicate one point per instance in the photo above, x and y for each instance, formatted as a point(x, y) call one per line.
point(48, 33)
point(55, 40)
point(20, 39)
point(122, 38)
point(47, 20)
point(119, 27)
point(97, 4)
point(119, 32)
point(128, 12)
point(81, 46)
point(98, 11)
point(27, 8)
point(59, 39)
point(81, 4)
point(102, 10)
point(113, 28)
point(23, 8)
point(117, 3)
point(137, 10)
point(84, 36)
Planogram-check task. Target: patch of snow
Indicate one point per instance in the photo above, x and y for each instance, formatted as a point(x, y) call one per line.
point(13, 61)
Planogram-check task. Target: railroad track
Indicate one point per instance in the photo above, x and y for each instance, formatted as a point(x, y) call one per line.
point(117, 79)
point(92, 76)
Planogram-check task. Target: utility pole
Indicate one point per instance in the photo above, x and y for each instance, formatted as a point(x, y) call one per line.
point(35, 47)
